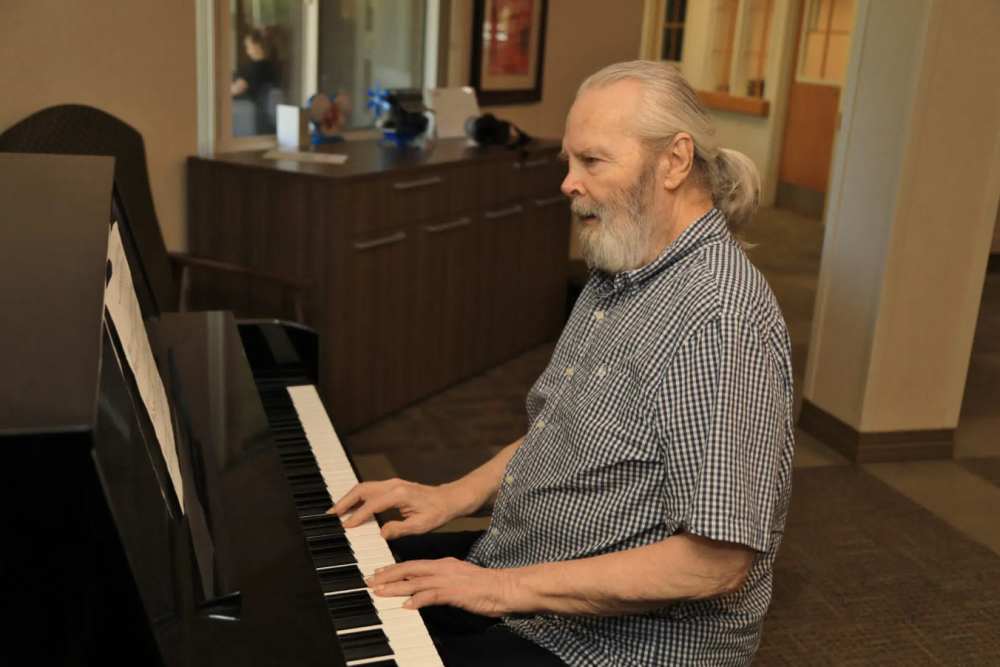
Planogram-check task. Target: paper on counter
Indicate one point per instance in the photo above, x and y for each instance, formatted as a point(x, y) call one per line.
point(306, 156)
point(123, 306)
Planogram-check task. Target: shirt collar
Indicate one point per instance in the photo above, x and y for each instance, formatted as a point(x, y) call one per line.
point(709, 227)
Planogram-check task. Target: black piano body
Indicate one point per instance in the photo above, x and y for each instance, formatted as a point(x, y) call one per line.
point(100, 563)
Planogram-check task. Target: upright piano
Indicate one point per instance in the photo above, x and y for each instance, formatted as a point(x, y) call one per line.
point(165, 475)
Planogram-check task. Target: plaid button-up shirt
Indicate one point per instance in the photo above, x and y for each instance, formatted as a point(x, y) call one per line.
point(666, 408)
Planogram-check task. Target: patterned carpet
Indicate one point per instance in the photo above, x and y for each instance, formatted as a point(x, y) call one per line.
point(865, 577)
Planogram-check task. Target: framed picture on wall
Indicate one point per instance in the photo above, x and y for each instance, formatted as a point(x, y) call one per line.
point(508, 50)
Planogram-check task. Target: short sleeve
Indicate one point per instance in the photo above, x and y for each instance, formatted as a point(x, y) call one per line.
point(721, 417)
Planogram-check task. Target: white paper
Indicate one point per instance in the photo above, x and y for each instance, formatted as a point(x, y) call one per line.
point(452, 107)
point(303, 156)
point(123, 306)
point(293, 127)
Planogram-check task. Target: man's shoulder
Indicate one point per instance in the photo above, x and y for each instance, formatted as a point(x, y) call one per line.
point(725, 284)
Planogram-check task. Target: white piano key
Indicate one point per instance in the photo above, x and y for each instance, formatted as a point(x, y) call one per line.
point(408, 638)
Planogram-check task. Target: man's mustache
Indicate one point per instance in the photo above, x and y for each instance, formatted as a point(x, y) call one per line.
point(583, 210)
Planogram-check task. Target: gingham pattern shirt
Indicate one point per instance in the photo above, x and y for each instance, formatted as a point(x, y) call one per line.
point(666, 407)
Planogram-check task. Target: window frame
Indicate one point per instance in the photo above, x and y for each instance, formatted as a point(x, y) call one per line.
point(799, 55)
point(655, 21)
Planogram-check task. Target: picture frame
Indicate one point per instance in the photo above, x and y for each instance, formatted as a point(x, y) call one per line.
point(508, 50)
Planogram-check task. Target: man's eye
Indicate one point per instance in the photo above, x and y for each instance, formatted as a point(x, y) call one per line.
point(589, 160)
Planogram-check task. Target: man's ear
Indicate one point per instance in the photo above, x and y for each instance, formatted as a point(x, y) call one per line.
point(677, 161)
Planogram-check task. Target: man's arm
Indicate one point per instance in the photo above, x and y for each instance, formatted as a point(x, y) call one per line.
point(681, 567)
point(424, 507)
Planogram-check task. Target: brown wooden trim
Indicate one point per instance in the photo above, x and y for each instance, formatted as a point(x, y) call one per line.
point(993, 263)
point(875, 447)
point(750, 106)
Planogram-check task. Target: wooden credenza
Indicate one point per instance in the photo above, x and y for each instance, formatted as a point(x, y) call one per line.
point(425, 267)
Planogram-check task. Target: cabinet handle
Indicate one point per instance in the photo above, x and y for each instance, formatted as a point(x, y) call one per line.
point(549, 201)
point(528, 164)
point(385, 240)
point(445, 226)
point(504, 212)
point(419, 183)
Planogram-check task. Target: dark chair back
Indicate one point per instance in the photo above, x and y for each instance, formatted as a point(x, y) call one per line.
point(75, 129)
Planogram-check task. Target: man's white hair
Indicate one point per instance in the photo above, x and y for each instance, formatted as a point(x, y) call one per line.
point(669, 105)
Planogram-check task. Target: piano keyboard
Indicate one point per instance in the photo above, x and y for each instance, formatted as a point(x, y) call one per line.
point(372, 630)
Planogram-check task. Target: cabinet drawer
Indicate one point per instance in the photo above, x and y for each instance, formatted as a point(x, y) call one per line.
point(417, 196)
point(540, 174)
point(526, 176)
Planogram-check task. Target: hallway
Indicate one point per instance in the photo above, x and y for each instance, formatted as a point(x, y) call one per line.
point(891, 563)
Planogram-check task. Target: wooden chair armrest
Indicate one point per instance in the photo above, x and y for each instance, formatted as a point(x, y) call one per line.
point(183, 262)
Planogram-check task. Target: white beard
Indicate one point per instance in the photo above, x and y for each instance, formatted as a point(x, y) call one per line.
point(619, 238)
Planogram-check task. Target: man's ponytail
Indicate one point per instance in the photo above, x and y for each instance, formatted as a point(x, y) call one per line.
point(735, 184)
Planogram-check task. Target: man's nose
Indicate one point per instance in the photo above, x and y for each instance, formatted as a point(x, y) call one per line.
point(571, 186)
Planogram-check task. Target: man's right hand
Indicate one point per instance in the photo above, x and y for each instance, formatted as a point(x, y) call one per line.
point(423, 507)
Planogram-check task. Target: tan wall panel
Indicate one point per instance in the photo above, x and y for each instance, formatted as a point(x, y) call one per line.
point(809, 135)
point(132, 58)
point(996, 233)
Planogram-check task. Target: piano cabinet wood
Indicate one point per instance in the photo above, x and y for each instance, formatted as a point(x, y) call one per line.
point(426, 268)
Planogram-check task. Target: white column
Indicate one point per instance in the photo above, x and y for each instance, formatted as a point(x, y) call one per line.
point(913, 197)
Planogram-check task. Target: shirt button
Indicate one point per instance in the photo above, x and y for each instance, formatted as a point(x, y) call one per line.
point(602, 371)
point(569, 372)
point(509, 479)
point(540, 424)
point(598, 315)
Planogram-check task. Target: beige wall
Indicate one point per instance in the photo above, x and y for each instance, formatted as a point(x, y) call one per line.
point(132, 58)
point(910, 214)
point(581, 37)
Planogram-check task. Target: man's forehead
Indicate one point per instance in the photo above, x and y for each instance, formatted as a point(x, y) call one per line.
point(600, 118)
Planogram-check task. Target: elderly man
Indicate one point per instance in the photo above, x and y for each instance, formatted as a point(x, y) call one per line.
point(637, 521)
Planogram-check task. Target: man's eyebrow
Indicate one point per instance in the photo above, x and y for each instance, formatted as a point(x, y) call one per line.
point(589, 150)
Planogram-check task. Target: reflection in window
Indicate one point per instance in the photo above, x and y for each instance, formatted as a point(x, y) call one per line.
point(740, 39)
point(266, 44)
point(723, 35)
point(353, 46)
point(826, 40)
point(363, 43)
point(673, 29)
point(755, 44)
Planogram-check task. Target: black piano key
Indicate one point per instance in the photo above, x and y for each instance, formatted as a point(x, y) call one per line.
point(310, 509)
point(320, 520)
point(311, 491)
point(321, 529)
point(314, 484)
point(331, 555)
point(341, 579)
point(352, 610)
point(351, 621)
point(364, 644)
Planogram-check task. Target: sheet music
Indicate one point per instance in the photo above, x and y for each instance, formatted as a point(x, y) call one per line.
point(123, 305)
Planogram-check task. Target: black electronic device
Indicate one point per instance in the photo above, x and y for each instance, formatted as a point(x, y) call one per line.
point(488, 130)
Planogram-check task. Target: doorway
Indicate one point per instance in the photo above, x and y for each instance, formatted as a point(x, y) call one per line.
point(813, 101)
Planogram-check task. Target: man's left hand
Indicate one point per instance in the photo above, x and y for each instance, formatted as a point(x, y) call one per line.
point(448, 581)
